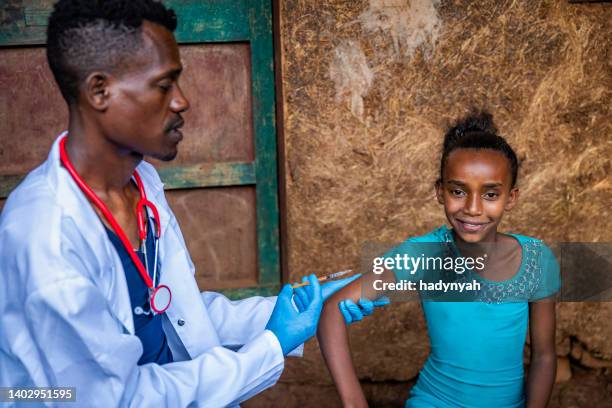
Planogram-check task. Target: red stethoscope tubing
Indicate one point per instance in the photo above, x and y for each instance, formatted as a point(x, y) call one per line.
point(115, 225)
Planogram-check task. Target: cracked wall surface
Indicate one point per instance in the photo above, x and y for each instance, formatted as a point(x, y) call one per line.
point(369, 88)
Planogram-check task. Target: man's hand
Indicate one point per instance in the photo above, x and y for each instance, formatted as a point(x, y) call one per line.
point(303, 293)
point(350, 311)
point(293, 326)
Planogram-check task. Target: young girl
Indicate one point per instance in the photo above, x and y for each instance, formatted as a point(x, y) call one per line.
point(476, 357)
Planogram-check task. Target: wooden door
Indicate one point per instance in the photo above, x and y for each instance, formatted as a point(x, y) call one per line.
point(223, 185)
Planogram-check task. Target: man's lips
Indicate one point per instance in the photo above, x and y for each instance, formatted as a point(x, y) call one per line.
point(176, 134)
point(471, 226)
point(177, 125)
point(175, 131)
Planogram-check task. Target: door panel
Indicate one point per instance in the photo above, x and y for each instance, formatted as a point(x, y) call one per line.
point(222, 226)
point(32, 111)
point(219, 123)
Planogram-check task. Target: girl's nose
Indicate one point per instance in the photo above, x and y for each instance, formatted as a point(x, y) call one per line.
point(473, 205)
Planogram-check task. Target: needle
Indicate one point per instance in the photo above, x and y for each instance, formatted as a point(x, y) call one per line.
point(324, 278)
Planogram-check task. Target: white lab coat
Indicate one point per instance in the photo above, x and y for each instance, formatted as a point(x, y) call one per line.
point(66, 320)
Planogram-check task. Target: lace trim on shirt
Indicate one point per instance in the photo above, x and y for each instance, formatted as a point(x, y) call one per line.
point(518, 288)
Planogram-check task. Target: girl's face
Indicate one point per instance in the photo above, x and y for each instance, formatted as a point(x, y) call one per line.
point(476, 189)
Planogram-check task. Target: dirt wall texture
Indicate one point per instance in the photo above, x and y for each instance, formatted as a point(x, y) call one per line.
point(369, 88)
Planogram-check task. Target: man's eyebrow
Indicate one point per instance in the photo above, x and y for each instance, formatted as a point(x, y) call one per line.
point(171, 73)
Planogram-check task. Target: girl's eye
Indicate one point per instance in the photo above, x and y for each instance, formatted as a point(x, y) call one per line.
point(491, 195)
point(457, 192)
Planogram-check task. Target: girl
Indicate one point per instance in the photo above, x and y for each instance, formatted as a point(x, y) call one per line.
point(476, 357)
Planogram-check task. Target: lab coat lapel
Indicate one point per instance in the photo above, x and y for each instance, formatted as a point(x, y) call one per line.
point(109, 274)
point(198, 334)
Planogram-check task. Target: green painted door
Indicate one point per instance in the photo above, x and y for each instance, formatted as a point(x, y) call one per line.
point(223, 186)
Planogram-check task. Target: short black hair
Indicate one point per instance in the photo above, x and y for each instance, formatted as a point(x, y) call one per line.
point(86, 35)
point(477, 131)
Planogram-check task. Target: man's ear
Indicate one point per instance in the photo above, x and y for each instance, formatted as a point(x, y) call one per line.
point(512, 199)
point(439, 192)
point(97, 92)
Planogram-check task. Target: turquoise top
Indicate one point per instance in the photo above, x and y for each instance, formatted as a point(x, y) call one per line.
point(476, 357)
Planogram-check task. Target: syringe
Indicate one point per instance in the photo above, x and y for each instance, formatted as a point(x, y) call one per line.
point(324, 278)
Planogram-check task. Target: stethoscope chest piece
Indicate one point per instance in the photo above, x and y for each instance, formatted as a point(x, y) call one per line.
point(161, 297)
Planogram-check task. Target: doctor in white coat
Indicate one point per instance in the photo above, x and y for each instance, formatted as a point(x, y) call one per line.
point(65, 312)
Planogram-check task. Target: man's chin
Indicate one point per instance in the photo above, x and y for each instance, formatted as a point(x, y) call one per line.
point(168, 156)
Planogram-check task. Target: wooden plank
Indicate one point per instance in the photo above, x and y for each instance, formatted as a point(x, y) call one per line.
point(35, 17)
point(24, 24)
point(261, 290)
point(280, 142)
point(260, 21)
point(8, 183)
point(208, 175)
point(214, 21)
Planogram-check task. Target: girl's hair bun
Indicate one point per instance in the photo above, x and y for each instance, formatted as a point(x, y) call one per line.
point(476, 122)
point(477, 131)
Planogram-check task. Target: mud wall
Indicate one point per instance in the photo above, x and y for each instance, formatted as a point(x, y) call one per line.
point(369, 88)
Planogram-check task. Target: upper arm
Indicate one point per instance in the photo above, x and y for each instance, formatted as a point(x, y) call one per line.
point(549, 280)
point(542, 321)
point(542, 327)
point(363, 287)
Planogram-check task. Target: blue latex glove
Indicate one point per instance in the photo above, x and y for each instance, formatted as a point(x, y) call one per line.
point(303, 293)
point(354, 313)
point(293, 327)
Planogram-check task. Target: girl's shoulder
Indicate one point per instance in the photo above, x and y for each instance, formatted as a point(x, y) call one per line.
point(539, 267)
point(535, 246)
point(542, 262)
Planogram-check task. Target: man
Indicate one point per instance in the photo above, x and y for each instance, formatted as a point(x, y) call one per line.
point(98, 289)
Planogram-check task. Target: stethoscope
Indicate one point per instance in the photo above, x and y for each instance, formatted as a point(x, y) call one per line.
point(159, 296)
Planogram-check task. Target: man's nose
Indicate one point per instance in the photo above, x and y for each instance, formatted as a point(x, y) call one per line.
point(179, 103)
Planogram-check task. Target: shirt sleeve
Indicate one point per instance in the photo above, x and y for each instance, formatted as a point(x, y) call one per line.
point(549, 282)
point(239, 321)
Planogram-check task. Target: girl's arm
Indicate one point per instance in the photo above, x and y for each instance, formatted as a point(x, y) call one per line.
point(543, 366)
point(333, 338)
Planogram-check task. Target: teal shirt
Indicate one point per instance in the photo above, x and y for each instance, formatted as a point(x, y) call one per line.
point(476, 357)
